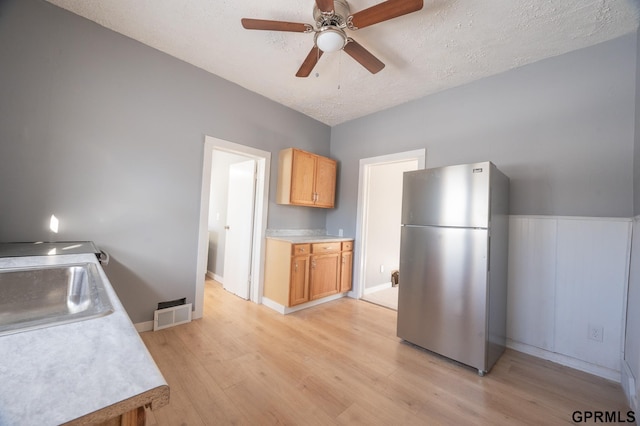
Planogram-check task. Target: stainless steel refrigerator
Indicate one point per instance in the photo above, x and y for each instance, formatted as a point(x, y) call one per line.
point(453, 262)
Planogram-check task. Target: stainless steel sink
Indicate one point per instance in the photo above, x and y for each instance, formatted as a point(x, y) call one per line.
point(50, 295)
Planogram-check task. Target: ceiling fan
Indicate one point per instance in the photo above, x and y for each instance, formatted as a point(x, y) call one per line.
point(332, 18)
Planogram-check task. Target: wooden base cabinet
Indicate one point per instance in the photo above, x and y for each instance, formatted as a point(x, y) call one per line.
point(346, 267)
point(324, 277)
point(299, 286)
point(135, 417)
point(299, 273)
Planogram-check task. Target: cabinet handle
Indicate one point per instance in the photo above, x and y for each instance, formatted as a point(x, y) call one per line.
point(313, 264)
point(296, 266)
point(343, 260)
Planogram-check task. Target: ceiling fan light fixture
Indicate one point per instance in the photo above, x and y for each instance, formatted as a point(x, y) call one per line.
point(330, 39)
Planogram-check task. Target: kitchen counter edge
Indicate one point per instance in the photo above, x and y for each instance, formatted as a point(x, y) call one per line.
point(84, 372)
point(310, 239)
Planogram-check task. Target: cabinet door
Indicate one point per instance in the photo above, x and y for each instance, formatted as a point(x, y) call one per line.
point(324, 277)
point(299, 284)
point(303, 169)
point(325, 182)
point(346, 270)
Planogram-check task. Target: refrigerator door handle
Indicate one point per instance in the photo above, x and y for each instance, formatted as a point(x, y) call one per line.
point(488, 253)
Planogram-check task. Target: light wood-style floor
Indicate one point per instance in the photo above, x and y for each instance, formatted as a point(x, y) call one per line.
point(387, 297)
point(341, 363)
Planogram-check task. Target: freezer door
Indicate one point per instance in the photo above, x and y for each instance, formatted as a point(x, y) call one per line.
point(442, 297)
point(447, 196)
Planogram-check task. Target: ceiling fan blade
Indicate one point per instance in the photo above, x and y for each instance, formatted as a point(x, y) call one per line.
point(265, 24)
point(325, 5)
point(310, 62)
point(384, 11)
point(362, 55)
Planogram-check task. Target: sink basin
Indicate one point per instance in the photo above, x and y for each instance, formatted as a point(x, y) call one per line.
point(44, 296)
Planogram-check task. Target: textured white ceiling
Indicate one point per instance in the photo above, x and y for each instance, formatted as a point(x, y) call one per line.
point(446, 44)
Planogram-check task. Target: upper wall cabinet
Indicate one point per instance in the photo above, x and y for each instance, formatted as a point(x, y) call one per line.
point(306, 179)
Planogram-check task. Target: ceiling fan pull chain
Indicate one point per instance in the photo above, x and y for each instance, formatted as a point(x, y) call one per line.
point(339, 70)
point(350, 23)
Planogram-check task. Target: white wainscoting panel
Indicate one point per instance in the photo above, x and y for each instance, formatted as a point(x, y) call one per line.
point(532, 270)
point(590, 289)
point(631, 364)
point(567, 274)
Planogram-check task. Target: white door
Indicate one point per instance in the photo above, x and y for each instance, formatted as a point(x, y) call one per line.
point(239, 228)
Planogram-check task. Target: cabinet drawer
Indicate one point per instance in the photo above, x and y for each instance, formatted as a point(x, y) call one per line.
point(300, 249)
point(347, 246)
point(325, 247)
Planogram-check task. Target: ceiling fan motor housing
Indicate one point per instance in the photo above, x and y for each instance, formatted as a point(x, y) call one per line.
point(337, 19)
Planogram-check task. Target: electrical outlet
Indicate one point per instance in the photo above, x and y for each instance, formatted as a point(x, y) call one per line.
point(381, 269)
point(596, 332)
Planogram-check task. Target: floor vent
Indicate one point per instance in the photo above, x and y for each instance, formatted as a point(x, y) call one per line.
point(168, 317)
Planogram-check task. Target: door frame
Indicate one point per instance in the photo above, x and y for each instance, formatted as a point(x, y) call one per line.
point(362, 213)
point(261, 206)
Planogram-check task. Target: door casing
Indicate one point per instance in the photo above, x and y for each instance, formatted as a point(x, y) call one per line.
point(360, 244)
point(263, 162)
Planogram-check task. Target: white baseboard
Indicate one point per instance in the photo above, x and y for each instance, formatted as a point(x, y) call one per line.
point(287, 310)
point(628, 383)
point(567, 361)
point(144, 326)
point(377, 288)
point(213, 276)
point(273, 305)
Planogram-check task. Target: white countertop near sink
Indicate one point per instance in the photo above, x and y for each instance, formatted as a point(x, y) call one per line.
point(56, 374)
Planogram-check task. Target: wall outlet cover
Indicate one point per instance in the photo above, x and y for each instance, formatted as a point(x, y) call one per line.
point(595, 332)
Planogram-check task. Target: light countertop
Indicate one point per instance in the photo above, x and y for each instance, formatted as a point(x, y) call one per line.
point(302, 239)
point(82, 372)
point(47, 248)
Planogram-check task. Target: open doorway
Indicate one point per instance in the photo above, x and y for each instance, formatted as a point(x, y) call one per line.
point(231, 212)
point(261, 161)
point(378, 225)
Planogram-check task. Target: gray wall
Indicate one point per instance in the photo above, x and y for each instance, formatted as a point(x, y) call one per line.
point(562, 130)
point(108, 134)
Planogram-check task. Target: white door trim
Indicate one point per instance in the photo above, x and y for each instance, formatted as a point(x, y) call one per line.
point(363, 189)
point(263, 162)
